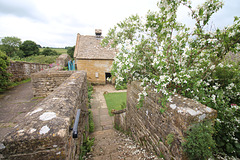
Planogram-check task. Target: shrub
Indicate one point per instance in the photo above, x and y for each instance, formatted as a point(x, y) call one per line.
point(90, 91)
point(91, 123)
point(199, 143)
point(4, 75)
point(49, 52)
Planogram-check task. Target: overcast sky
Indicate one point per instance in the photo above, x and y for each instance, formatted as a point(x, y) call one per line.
point(55, 23)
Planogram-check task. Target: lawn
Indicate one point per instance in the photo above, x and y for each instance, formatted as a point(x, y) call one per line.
point(115, 101)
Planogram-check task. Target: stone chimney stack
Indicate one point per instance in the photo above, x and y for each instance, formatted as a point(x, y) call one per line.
point(98, 33)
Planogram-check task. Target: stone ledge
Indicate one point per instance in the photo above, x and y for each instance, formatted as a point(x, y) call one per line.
point(45, 131)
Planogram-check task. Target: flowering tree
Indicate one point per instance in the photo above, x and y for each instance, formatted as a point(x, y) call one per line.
point(168, 57)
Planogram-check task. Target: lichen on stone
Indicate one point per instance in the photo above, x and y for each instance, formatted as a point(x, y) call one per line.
point(45, 129)
point(173, 106)
point(36, 110)
point(47, 116)
point(32, 130)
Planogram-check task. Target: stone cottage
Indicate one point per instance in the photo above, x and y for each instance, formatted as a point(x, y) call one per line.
point(91, 57)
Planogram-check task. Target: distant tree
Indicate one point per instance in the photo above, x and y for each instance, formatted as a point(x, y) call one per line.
point(29, 48)
point(4, 75)
point(10, 45)
point(49, 52)
point(70, 51)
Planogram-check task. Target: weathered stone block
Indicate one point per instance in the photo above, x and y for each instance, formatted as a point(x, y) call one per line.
point(63, 59)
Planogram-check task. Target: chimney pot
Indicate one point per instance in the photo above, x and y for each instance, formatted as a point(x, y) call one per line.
point(98, 32)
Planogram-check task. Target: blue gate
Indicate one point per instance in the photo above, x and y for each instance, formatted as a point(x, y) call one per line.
point(71, 65)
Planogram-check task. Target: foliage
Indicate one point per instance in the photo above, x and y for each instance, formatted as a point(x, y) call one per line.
point(170, 138)
point(70, 51)
point(170, 58)
point(116, 101)
point(14, 84)
point(199, 143)
point(121, 85)
point(4, 75)
point(90, 92)
point(10, 45)
point(86, 146)
point(91, 123)
point(37, 59)
point(49, 52)
point(29, 48)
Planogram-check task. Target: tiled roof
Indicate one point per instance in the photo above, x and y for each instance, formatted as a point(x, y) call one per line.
point(88, 47)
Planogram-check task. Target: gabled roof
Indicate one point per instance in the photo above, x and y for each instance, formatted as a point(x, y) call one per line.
point(88, 47)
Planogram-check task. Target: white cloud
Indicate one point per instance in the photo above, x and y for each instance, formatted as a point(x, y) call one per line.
point(56, 23)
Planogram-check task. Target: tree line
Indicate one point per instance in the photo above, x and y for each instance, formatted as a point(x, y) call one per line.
point(14, 47)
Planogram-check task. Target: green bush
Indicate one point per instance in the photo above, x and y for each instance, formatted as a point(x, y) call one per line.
point(4, 75)
point(199, 144)
point(91, 123)
point(90, 91)
point(49, 52)
point(121, 86)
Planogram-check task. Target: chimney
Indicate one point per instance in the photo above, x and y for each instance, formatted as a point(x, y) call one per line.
point(98, 33)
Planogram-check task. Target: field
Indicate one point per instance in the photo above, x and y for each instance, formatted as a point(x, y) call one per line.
point(116, 101)
point(59, 50)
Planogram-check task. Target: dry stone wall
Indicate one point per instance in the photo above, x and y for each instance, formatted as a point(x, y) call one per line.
point(23, 70)
point(152, 128)
point(45, 82)
point(44, 132)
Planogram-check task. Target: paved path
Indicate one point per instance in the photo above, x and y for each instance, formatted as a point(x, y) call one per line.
point(109, 143)
point(14, 104)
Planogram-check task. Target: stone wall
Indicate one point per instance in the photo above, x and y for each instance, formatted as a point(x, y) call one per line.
point(23, 70)
point(152, 128)
point(44, 132)
point(45, 82)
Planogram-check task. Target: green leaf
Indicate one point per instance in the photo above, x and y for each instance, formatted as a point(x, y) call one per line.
point(200, 11)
